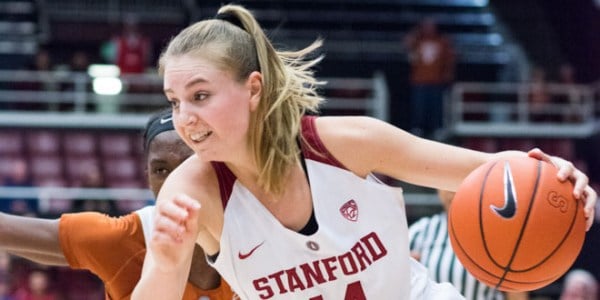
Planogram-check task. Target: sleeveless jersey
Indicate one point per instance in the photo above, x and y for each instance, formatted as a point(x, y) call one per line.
point(114, 249)
point(360, 250)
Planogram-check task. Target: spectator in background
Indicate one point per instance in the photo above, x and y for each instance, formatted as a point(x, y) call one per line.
point(38, 287)
point(432, 58)
point(570, 95)
point(41, 61)
point(131, 49)
point(580, 285)
point(430, 244)
point(79, 62)
point(19, 177)
point(539, 99)
point(43, 80)
point(131, 52)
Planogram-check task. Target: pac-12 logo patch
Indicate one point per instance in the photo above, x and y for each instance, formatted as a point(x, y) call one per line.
point(350, 210)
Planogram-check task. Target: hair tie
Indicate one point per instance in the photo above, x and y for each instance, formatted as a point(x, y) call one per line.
point(230, 18)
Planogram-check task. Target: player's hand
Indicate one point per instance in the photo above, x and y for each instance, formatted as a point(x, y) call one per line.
point(581, 190)
point(175, 230)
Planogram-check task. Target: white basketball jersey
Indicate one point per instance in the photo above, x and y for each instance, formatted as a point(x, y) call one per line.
point(146, 215)
point(360, 250)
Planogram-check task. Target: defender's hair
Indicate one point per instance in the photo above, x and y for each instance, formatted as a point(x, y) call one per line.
point(236, 42)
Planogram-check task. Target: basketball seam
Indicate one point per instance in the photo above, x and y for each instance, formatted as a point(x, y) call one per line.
point(531, 202)
point(457, 242)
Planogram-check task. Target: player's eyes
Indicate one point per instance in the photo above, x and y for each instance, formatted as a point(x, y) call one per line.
point(161, 171)
point(200, 96)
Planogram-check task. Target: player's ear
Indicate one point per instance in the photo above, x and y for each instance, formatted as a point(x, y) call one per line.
point(254, 83)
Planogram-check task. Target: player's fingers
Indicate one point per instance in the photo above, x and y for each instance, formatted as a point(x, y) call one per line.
point(539, 154)
point(580, 182)
point(186, 202)
point(178, 208)
point(162, 238)
point(167, 227)
point(590, 198)
point(565, 167)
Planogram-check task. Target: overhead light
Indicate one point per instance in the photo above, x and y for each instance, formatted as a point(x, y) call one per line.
point(101, 70)
point(105, 79)
point(107, 85)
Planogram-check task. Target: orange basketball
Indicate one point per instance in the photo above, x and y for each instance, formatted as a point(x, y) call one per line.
point(514, 226)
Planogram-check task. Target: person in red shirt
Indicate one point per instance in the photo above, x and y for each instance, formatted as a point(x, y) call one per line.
point(132, 48)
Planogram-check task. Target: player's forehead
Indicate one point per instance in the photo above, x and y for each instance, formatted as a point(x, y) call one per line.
point(167, 144)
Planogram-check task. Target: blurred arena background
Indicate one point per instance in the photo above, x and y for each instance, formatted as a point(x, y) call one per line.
point(72, 109)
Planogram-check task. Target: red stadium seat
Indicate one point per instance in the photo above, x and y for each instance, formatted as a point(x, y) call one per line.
point(115, 145)
point(7, 163)
point(44, 168)
point(138, 145)
point(11, 143)
point(51, 182)
point(121, 169)
point(127, 206)
point(43, 142)
point(79, 143)
point(77, 166)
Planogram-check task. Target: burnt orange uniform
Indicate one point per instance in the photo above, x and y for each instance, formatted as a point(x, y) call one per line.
point(114, 249)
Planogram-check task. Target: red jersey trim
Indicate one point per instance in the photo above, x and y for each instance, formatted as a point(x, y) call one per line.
point(311, 146)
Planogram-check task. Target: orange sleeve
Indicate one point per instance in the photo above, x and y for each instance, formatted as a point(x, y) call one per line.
point(99, 243)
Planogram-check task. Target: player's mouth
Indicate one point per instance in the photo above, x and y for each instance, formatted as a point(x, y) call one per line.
point(199, 137)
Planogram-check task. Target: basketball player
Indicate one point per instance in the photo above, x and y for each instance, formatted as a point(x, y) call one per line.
point(113, 248)
point(430, 244)
point(279, 200)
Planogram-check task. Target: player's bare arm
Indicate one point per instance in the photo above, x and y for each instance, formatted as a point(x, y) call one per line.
point(31, 238)
point(366, 145)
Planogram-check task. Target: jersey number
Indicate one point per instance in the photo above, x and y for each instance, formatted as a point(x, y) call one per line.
point(354, 291)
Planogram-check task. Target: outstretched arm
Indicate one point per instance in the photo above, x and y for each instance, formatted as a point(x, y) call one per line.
point(388, 150)
point(35, 239)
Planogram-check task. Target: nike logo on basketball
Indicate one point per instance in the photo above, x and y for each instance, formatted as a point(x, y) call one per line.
point(510, 198)
point(163, 120)
point(246, 255)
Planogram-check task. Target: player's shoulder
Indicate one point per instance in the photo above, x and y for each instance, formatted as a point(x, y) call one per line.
point(190, 171)
point(195, 178)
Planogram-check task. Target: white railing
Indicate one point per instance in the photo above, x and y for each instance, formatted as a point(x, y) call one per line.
point(66, 99)
point(507, 109)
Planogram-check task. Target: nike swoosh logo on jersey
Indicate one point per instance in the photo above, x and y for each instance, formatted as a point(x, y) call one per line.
point(246, 255)
point(510, 198)
point(163, 121)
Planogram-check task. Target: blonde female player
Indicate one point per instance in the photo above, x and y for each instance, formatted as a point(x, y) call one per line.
point(113, 248)
point(279, 200)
